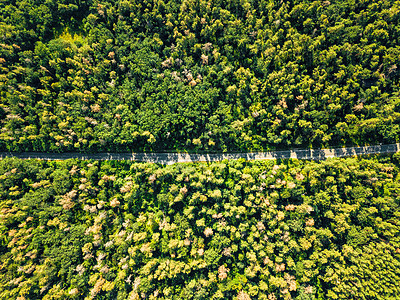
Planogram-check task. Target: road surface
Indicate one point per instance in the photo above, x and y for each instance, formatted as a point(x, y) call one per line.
point(171, 158)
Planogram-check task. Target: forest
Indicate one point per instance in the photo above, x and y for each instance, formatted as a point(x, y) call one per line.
point(198, 75)
point(239, 229)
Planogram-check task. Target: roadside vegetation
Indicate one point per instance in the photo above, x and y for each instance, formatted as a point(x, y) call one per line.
point(230, 230)
point(146, 75)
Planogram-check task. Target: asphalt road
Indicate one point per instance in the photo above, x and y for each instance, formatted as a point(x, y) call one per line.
point(171, 158)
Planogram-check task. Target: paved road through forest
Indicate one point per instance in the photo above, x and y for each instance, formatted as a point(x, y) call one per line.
point(171, 158)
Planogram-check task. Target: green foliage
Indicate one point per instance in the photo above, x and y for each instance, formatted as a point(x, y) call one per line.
point(234, 229)
point(197, 75)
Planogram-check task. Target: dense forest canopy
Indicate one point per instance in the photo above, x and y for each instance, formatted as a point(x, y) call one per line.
point(230, 230)
point(199, 75)
point(144, 75)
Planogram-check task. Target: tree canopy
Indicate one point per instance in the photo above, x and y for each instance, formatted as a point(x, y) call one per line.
point(229, 230)
point(154, 75)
